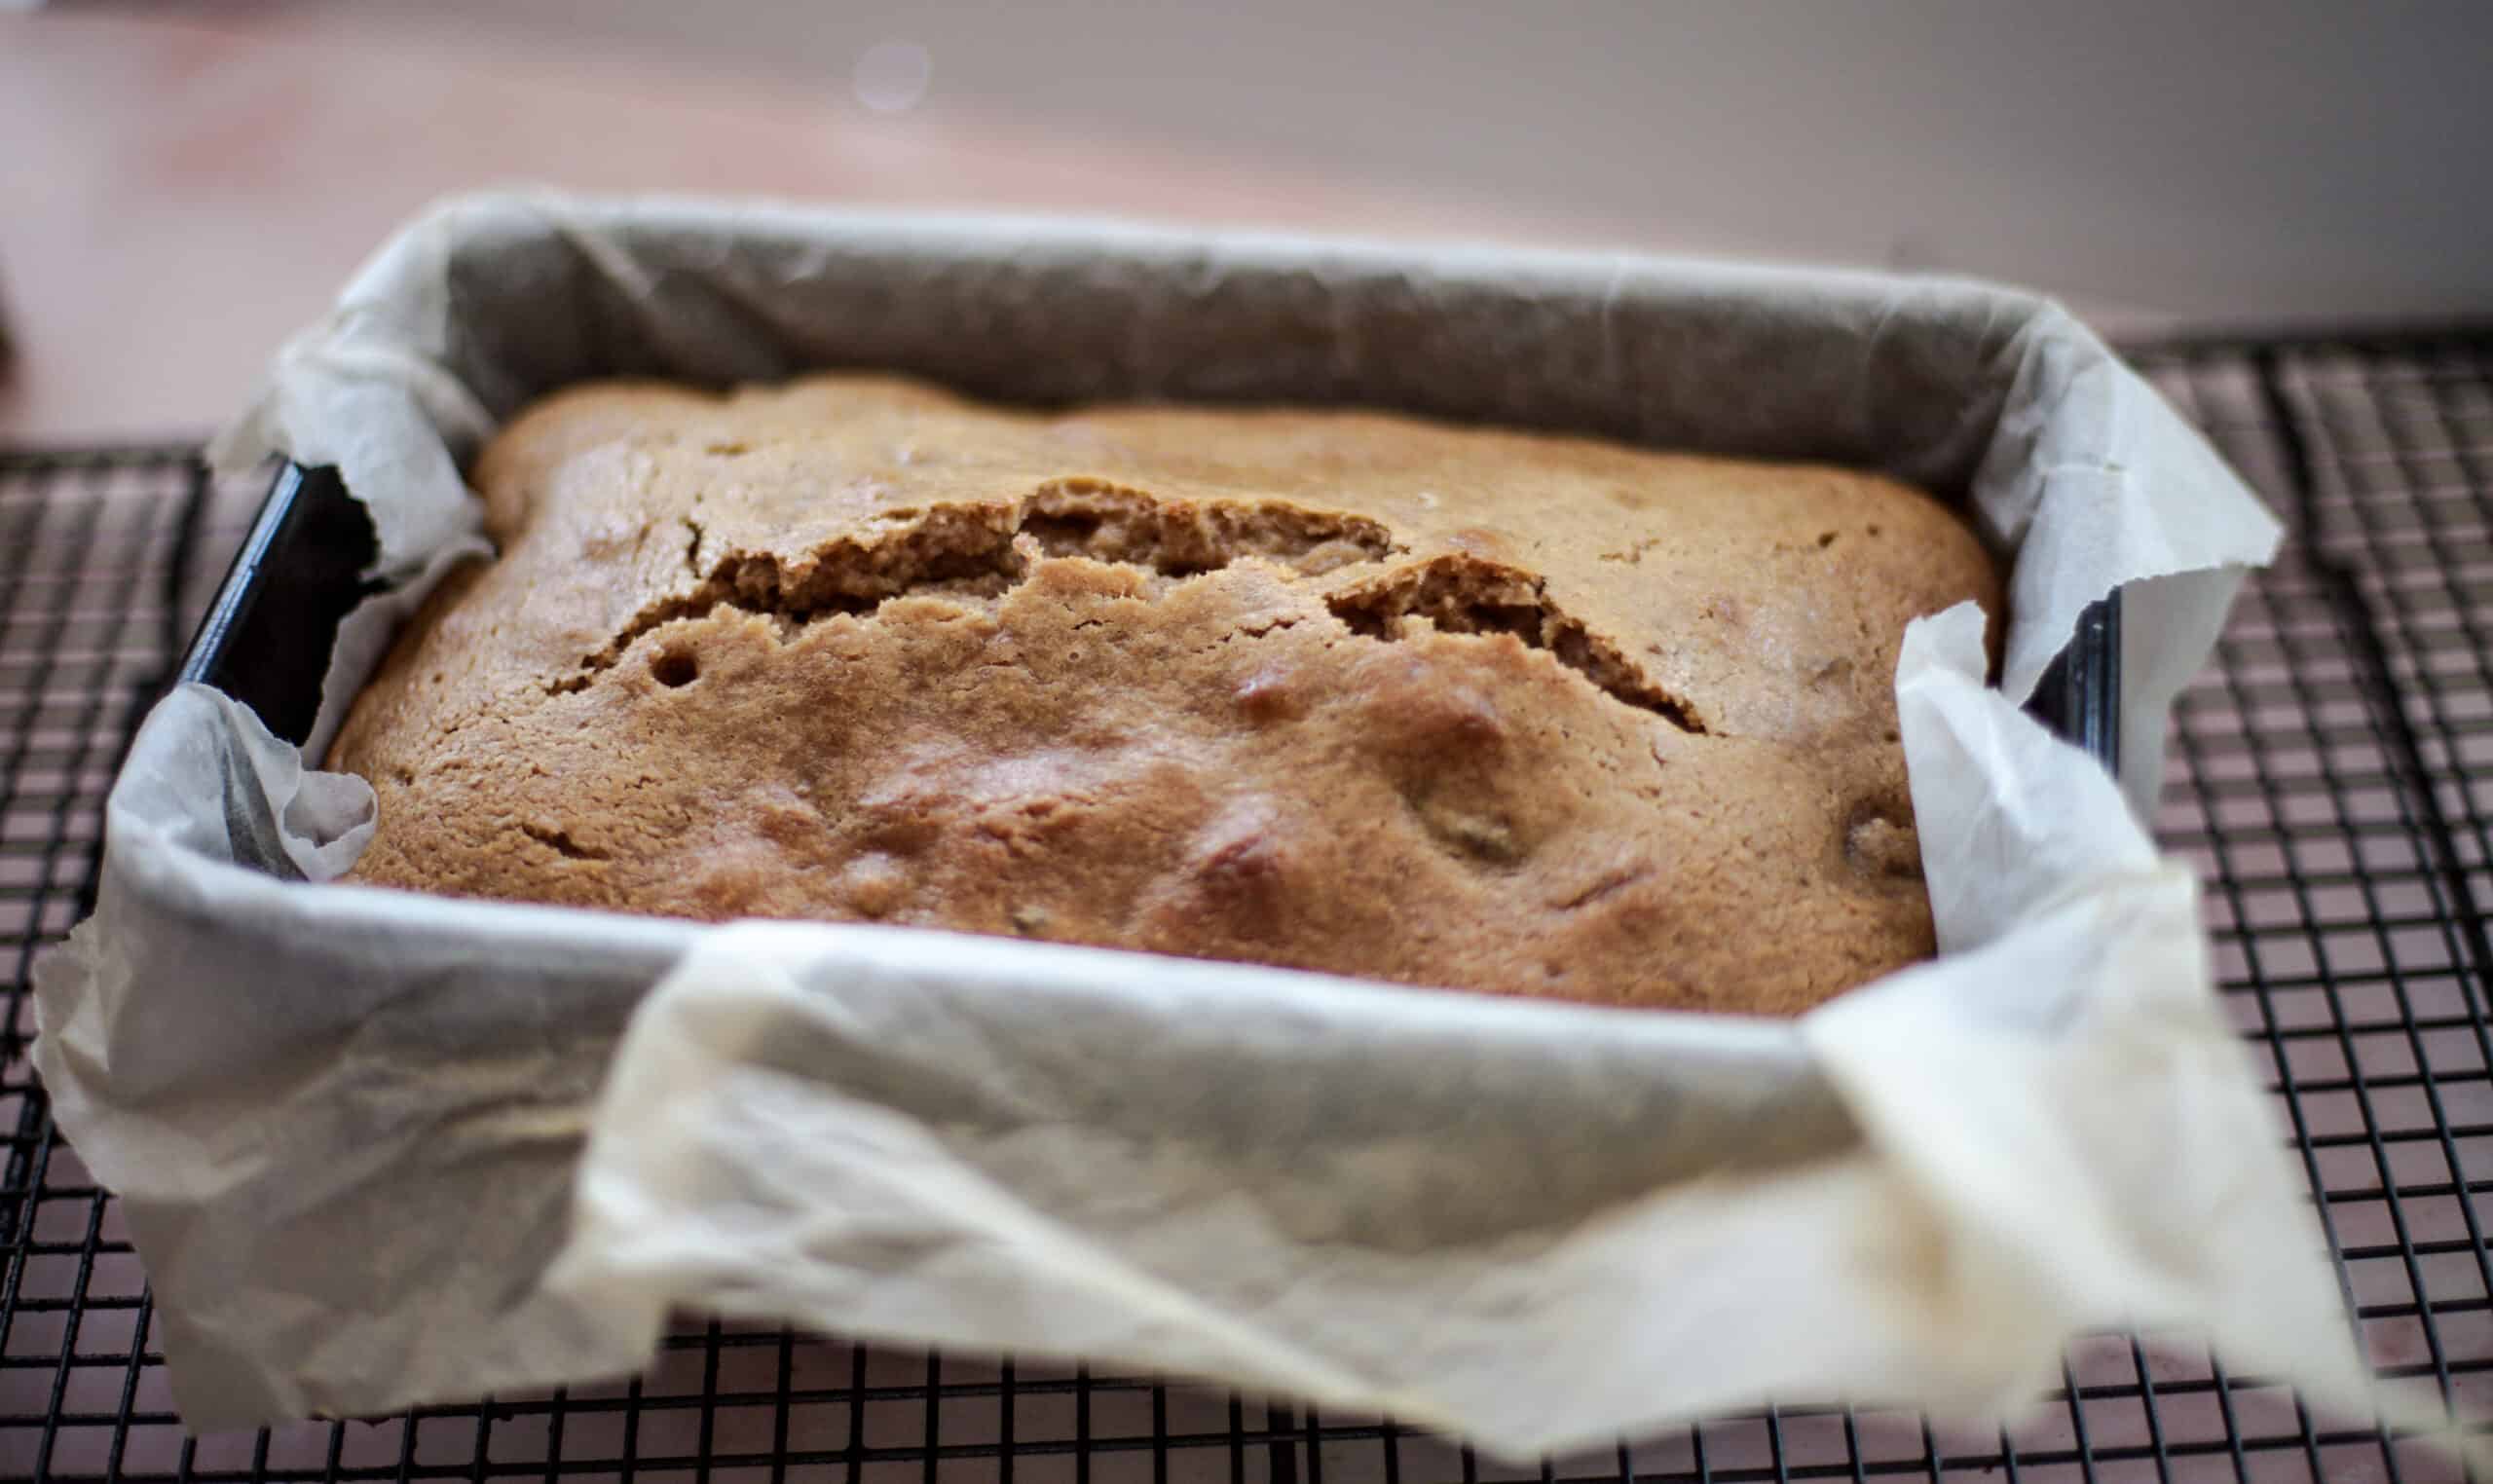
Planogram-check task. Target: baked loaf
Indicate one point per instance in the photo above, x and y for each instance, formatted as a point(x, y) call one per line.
point(1331, 689)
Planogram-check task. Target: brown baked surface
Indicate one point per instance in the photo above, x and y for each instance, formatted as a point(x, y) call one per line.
point(1330, 690)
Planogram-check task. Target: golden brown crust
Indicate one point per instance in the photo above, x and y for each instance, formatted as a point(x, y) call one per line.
point(1331, 689)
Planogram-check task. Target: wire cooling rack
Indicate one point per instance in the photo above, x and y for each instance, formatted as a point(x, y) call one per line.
point(2332, 776)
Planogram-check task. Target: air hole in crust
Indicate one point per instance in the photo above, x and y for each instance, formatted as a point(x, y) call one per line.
point(676, 667)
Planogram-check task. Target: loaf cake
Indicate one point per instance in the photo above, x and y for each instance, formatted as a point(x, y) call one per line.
point(1331, 689)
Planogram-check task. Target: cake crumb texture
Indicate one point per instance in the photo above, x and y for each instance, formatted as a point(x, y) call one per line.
point(1330, 690)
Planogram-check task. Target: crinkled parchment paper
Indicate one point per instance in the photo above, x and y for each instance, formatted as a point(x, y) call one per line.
point(377, 1148)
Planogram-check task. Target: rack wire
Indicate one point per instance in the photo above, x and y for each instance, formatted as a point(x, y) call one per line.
point(2331, 777)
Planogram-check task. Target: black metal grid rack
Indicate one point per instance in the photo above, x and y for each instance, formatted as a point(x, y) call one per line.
point(2332, 777)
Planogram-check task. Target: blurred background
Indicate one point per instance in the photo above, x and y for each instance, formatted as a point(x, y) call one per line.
point(181, 184)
